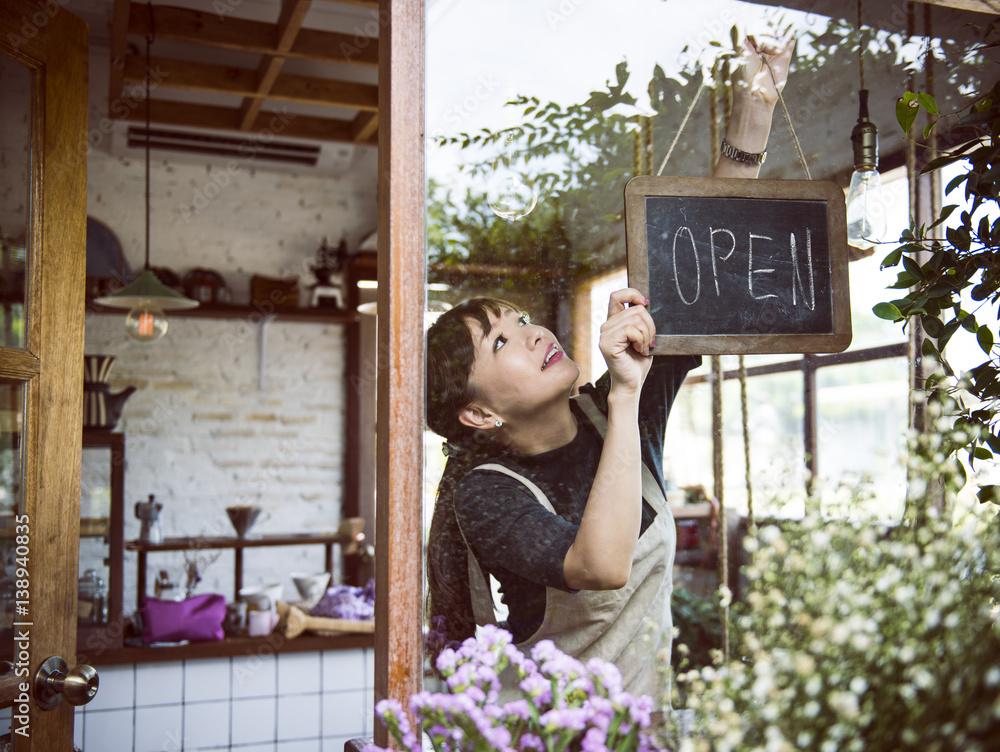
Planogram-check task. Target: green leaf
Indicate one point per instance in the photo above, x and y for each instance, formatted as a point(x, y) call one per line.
point(985, 339)
point(928, 103)
point(903, 281)
point(929, 350)
point(937, 164)
point(982, 453)
point(887, 311)
point(959, 237)
point(933, 327)
point(913, 268)
point(893, 258)
point(945, 213)
point(907, 108)
point(989, 494)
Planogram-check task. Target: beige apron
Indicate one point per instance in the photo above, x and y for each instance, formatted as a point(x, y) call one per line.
point(627, 626)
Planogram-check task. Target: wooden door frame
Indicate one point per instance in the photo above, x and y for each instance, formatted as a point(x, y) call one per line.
point(54, 45)
point(400, 393)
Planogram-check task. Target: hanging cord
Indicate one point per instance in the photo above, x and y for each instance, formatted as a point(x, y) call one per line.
point(788, 119)
point(861, 44)
point(149, 41)
point(745, 411)
point(718, 490)
point(680, 129)
point(638, 165)
point(935, 187)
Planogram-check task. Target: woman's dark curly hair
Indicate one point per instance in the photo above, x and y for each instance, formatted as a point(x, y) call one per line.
point(450, 355)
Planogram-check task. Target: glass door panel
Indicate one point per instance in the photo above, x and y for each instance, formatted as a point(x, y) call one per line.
point(15, 141)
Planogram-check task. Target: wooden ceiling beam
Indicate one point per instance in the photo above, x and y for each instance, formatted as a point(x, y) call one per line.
point(242, 82)
point(293, 13)
point(361, 3)
point(271, 124)
point(229, 32)
point(365, 127)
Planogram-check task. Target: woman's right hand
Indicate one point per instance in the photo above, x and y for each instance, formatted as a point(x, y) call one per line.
point(627, 340)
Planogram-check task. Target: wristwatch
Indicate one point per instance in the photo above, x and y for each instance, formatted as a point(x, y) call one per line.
point(747, 157)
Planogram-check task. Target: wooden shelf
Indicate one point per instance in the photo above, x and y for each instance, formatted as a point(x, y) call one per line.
point(348, 537)
point(231, 646)
point(260, 541)
point(250, 313)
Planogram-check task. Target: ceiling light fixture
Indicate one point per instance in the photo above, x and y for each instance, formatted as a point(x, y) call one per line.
point(147, 297)
point(865, 207)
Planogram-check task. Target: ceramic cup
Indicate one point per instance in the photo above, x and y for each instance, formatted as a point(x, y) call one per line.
point(260, 623)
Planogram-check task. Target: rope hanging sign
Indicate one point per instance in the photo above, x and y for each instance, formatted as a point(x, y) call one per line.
point(740, 266)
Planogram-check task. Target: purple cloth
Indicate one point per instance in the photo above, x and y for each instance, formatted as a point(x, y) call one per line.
point(347, 602)
point(197, 619)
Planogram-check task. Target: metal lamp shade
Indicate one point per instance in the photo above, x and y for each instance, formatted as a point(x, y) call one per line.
point(147, 289)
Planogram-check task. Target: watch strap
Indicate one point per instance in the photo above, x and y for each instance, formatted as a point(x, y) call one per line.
point(738, 155)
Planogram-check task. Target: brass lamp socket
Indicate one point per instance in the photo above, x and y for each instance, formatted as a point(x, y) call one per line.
point(864, 136)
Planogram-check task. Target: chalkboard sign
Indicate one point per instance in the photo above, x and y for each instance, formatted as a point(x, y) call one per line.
point(740, 266)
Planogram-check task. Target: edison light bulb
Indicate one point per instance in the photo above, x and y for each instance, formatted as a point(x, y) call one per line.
point(510, 194)
point(865, 208)
point(146, 322)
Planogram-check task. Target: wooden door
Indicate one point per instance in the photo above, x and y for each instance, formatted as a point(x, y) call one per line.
point(43, 162)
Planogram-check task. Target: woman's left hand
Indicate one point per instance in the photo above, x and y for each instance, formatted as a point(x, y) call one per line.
point(755, 78)
point(627, 339)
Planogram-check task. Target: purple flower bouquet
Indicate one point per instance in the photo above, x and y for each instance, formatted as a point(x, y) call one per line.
point(564, 704)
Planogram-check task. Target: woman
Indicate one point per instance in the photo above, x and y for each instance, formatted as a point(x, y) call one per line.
point(561, 499)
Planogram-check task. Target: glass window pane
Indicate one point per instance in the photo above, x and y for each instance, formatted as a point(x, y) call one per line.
point(777, 457)
point(11, 432)
point(861, 436)
point(95, 528)
point(15, 138)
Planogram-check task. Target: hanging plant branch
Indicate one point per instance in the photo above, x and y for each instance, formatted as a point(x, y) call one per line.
point(951, 272)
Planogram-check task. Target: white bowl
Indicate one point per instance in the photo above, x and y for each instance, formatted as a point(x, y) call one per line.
point(311, 586)
point(262, 597)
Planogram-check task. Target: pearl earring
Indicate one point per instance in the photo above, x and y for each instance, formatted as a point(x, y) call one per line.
point(499, 423)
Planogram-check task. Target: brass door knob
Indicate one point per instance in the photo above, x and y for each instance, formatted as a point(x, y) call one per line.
point(54, 680)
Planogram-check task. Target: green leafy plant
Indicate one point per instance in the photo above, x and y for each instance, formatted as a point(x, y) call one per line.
point(951, 272)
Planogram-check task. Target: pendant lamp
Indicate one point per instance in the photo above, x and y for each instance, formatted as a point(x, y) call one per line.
point(147, 297)
point(865, 206)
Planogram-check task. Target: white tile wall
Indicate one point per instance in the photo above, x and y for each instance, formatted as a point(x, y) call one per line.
point(292, 702)
point(206, 725)
point(299, 717)
point(207, 679)
point(158, 683)
point(254, 676)
point(109, 730)
point(159, 728)
point(253, 720)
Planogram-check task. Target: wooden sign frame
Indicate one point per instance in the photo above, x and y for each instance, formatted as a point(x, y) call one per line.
point(761, 335)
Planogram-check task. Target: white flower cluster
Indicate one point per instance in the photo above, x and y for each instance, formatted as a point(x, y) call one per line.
point(856, 636)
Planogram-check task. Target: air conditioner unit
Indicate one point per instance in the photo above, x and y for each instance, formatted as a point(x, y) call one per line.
point(249, 150)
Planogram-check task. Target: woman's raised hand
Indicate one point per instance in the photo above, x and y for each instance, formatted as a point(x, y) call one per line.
point(627, 339)
point(764, 66)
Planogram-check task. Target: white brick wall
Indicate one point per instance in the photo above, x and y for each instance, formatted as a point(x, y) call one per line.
point(201, 434)
point(202, 431)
